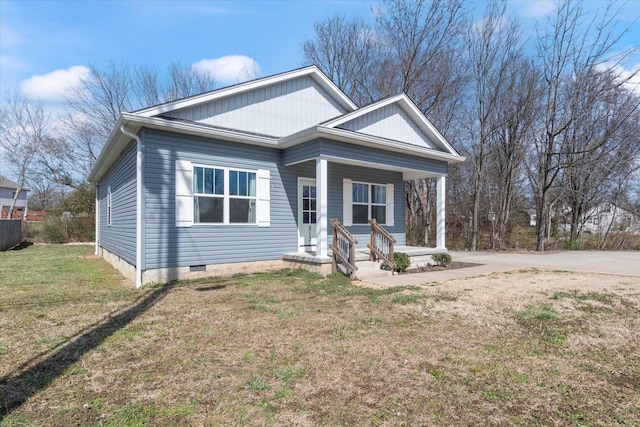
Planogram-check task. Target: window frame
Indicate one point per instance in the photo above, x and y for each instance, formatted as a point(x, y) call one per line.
point(109, 207)
point(226, 196)
point(369, 203)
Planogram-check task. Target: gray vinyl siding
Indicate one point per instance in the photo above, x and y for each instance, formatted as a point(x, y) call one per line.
point(350, 152)
point(6, 198)
point(301, 152)
point(389, 122)
point(171, 246)
point(337, 173)
point(120, 237)
point(279, 109)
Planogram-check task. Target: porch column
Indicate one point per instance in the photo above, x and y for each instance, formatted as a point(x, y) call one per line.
point(321, 208)
point(440, 212)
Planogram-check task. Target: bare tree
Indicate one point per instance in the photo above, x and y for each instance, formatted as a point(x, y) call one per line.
point(101, 97)
point(43, 195)
point(184, 81)
point(570, 47)
point(493, 45)
point(347, 51)
point(414, 48)
point(147, 86)
point(420, 45)
point(421, 39)
point(516, 112)
point(181, 81)
point(23, 129)
point(95, 106)
point(602, 144)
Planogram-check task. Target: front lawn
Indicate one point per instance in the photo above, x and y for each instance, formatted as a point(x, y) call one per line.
point(79, 346)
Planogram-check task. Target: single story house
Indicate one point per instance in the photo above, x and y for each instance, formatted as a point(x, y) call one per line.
point(8, 190)
point(233, 179)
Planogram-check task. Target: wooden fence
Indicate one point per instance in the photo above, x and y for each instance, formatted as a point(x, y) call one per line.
point(33, 216)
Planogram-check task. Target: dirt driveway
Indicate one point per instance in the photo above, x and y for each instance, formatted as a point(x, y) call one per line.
point(605, 263)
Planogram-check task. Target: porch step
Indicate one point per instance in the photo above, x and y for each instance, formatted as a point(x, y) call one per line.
point(369, 269)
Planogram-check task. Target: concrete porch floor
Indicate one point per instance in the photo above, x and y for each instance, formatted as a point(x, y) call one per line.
point(308, 260)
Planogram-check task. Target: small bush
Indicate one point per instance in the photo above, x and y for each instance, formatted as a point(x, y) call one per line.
point(441, 259)
point(572, 245)
point(401, 260)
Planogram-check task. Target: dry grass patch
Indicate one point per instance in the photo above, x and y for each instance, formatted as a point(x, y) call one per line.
point(293, 348)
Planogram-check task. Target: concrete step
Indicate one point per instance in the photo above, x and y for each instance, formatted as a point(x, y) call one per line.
point(369, 269)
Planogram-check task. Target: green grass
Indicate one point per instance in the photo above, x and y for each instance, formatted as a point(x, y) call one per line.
point(79, 347)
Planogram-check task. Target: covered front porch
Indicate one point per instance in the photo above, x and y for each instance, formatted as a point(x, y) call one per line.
point(322, 205)
point(338, 203)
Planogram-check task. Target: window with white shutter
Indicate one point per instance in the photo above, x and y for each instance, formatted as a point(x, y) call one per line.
point(363, 201)
point(217, 195)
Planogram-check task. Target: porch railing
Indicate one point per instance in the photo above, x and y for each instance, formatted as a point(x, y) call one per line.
point(381, 246)
point(343, 248)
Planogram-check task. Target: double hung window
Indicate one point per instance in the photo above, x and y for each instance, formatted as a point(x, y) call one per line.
point(242, 197)
point(369, 201)
point(223, 196)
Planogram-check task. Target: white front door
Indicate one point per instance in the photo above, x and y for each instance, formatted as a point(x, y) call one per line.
point(306, 215)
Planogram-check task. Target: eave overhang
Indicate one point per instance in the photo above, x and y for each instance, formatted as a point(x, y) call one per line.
point(118, 142)
point(364, 140)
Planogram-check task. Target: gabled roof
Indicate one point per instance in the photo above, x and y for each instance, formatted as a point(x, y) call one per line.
point(7, 183)
point(349, 127)
point(311, 71)
point(405, 103)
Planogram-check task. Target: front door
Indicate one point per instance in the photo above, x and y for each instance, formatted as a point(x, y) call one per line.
point(306, 215)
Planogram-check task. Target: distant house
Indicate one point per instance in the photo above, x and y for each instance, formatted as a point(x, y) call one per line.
point(8, 190)
point(609, 217)
point(240, 176)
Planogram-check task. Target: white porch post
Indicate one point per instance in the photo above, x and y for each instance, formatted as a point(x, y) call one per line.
point(321, 208)
point(440, 213)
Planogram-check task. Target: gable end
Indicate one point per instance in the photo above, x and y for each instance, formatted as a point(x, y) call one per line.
point(390, 122)
point(279, 109)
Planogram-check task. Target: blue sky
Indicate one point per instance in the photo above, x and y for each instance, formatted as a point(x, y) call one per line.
point(45, 45)
point(39, 37)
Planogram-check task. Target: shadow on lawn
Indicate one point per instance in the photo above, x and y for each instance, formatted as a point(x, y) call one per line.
point(21, 246)
point(26, 381)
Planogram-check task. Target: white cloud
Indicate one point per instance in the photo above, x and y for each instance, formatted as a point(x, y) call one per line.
point(629, 74)
point(499, 24)
point(632, 76)
point(55, 85)
point(229, 69)
point(538, 8)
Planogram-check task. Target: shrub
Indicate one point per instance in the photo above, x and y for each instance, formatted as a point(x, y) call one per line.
point(54, 231)
point(441, 259)
point(401, 260)
point(57, 230)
